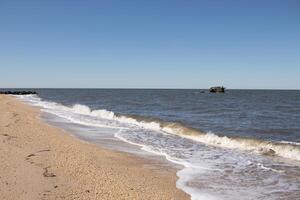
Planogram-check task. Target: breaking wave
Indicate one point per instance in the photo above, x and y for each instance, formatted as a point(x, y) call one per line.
point(284, 149)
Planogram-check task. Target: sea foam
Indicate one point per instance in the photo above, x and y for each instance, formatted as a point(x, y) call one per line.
point(284, 149)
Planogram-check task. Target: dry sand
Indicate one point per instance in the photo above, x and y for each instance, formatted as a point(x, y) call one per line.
point(38, 161)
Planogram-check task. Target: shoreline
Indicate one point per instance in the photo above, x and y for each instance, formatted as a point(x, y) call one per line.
point(44, 162)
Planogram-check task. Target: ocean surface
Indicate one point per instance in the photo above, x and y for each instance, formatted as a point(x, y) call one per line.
point(240, 145)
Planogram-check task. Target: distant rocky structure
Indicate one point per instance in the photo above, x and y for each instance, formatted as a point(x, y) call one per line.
point(217, 90)
point(18, 92)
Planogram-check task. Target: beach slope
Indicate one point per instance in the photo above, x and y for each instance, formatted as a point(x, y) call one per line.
point(38, 161)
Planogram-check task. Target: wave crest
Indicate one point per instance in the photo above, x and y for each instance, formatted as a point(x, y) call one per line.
point(286, 149)
point(85, 110)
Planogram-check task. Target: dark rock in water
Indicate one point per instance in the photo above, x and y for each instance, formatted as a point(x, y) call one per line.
point(18, 92)
point(217, 89)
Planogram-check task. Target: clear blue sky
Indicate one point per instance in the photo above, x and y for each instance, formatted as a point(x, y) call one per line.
point(150, 44)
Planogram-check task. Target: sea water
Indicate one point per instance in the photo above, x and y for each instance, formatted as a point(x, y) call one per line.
point(244, 144)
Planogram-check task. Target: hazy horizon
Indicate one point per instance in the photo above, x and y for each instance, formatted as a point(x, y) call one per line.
point(144, 88)
point(150, 44)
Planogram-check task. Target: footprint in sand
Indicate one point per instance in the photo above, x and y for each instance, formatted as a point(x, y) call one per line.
point(30, 159)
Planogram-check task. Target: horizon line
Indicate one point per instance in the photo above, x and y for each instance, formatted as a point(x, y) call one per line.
point(132, 88)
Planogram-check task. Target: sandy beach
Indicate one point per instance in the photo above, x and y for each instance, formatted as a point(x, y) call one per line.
point(39, 161)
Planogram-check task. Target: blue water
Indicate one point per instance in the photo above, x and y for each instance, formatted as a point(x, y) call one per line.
point(262, 114)
point(243, 144)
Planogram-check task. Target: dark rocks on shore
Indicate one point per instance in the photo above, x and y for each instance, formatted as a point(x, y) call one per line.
point(18, 92)
point(217, 89)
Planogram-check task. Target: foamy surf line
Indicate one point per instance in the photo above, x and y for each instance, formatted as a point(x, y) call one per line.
point(285, 149)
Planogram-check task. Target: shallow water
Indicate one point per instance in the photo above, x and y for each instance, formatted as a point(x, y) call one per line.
point(243, 144)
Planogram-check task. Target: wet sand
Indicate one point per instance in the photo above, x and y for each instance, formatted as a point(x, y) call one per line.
point(38, 161)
